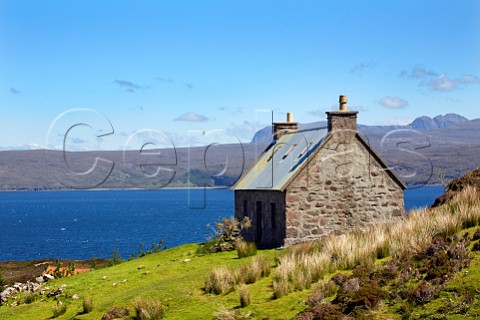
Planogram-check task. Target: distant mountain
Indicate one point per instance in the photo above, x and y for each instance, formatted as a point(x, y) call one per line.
point(426, 123)
point(425, 151)
point(423, 123)
point(434, 152)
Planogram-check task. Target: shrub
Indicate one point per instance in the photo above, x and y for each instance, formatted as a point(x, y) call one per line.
point(423, 293)
point(338, 279)
point(445, 257)
point(116, 258)
point(87, 306)
point(367, 296)
point(476, 235)
point(2, 281)
point(116, 313)
point(59, 309)
point(148, 309)
point(245, 249)
point(232, 314)
point(219, 281)
point(476, 246)
point(323, 311)
point(359, 291)
point(315, 297)
point(26, 297)
point(227, 232)
point(244, 294)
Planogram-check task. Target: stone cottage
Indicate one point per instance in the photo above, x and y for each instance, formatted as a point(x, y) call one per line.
point(310, 183)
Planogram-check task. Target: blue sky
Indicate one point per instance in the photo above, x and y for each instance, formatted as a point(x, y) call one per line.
point(170, 70)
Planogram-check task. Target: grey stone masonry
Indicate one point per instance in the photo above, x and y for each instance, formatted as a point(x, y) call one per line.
point(342, 187)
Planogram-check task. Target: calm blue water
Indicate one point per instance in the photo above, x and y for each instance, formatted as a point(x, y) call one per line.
point(82, 224)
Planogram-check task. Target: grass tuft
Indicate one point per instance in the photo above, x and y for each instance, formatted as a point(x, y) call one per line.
point(87, 306)
point(244, 294)
point(147, 309)
point(245, 249)
point(232, 314)
point(59, 309)
point(219, 281)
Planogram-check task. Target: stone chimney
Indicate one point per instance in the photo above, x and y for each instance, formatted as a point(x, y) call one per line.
point(280, 128)
point(343, 119)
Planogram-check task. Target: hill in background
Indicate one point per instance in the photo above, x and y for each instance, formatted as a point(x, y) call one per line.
point(426, 151)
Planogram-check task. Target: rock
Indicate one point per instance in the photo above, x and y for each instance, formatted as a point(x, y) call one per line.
point(140, 267)
point(186, 260)
point(47, 277)
point(75, 296)
point(54, 293)
point(104, 278)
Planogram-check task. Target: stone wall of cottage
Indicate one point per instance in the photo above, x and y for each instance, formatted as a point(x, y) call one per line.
point(266, 210)
point(343, 187)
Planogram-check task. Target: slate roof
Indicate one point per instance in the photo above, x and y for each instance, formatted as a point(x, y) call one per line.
point(281, 160)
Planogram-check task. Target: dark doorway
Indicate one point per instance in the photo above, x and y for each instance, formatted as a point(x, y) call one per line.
point(259, 222)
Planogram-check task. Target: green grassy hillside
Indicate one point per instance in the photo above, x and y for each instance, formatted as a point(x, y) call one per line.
point(426, 267)
point(163, 276)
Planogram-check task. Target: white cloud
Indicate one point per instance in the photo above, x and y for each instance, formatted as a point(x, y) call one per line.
point(128, 85)
point(358, 69)
point(468, 79)
point(191, 117)
point(393, 102)
point(418, 73)
point(442, 83)
point(437, 81)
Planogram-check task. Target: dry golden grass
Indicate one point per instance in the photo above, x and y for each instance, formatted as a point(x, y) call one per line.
point(223, 280)
point(307, 263)
point(244, 295)
point(245, 249)
point(220, 280)
point(148, 309)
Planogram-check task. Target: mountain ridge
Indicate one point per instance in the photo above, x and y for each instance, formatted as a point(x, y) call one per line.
point(420, 157)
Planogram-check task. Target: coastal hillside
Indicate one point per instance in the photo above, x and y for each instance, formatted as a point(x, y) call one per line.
point(471, 179)
point(423, 267)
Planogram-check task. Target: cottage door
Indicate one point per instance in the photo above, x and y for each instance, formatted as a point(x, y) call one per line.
point(258, 222)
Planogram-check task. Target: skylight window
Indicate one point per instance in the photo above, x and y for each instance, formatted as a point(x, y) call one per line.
point(289, 151)
point(275, 150)
point(305, 150)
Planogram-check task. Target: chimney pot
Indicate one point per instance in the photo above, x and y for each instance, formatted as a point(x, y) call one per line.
point(343, 103)
point(342, 120)
point(280, 128)
point(289, 117)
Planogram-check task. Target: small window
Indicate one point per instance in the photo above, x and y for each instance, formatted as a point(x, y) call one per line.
point(304, 150)
point(275, 150)
point(272, 214)
point(289, 151)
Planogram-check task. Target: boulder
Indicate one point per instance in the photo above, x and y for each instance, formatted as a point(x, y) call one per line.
point(47, 277)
